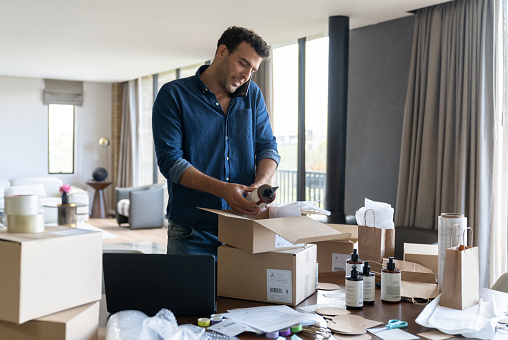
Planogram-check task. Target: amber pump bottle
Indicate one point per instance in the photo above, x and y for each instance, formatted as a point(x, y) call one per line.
point(354, 261)
point(369, 284)
point(354, 290)
point(390, 282)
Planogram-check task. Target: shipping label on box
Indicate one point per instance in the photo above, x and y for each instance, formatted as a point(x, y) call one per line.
point(279, 287)
point(284, 276)
point(258, 236)
point(48, 272)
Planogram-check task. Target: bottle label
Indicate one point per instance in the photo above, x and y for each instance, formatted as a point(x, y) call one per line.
point(354, 293)
point(369, 288)
point(349, 267)
point(390, 286)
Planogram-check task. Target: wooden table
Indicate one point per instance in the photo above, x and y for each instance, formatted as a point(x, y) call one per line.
point(379, 311)
point(99, 204)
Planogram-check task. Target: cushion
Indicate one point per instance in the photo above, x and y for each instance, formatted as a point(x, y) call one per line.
point(123, 207)
point(35, 189)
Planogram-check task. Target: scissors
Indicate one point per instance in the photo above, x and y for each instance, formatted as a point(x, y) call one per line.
point(394, 323)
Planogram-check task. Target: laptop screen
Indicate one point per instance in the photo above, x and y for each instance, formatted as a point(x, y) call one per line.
point(184, 284)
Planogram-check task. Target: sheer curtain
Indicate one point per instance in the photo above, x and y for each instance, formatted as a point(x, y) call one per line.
point(448, 136)
point(128, 160)
point(264, 79)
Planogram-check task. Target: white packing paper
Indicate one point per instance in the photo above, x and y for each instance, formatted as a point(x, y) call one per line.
point(392, 334)
point(478, 321)
point(382, 217)
point(272, 318)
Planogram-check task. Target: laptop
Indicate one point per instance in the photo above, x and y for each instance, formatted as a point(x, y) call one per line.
point(184, 284)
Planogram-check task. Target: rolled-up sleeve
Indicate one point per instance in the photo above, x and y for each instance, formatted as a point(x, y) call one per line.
point(167, 135)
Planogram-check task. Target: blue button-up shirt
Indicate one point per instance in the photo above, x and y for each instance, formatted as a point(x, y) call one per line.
point(190, 128)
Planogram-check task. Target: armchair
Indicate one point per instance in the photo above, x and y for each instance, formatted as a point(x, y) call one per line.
point(141, 207)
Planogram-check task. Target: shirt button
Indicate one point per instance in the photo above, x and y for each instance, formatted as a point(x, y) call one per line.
point(216, 103)
point(227, 158)
point(227, 137)
point(227, 179)
point(206, 89)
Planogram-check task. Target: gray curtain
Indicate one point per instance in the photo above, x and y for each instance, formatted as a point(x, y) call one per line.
point(448, 131)
point(264, 79)
point(127, 161)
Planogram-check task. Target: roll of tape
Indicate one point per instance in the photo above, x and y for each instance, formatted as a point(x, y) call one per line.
point(203, 322)
point(25, 224)
point(285, 332)
point(215, 320)
point(296, 328)
point(21, 205)
point(272, 335)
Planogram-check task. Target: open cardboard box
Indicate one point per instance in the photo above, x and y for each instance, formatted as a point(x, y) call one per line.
point(424, 254)
point(283, 276)
point(263, 235)
point(79, 323)
point(48, 272)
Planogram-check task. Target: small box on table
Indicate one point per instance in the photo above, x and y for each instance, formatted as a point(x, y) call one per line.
point(79, 323)
point(48, 272)
point(284, 276)
point(333, 254)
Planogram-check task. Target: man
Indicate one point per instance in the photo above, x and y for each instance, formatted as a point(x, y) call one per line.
point(213, 141)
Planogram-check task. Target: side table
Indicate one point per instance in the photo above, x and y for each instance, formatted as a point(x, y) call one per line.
point(99, 204)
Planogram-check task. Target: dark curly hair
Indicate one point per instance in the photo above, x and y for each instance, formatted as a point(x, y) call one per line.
point(234, 35)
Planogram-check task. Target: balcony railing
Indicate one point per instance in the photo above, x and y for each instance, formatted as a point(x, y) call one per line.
point(315, 186)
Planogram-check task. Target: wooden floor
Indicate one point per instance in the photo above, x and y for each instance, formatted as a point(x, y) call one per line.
point(158, 235)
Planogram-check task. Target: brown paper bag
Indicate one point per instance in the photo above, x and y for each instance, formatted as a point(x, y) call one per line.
point(460, 287)
point(374, 244)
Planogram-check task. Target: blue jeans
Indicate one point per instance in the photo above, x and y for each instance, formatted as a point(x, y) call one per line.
point(190, 240)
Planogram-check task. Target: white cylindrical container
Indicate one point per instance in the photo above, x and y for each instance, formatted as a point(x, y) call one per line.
point(23, 205)
point(354, 290)
point(450, 228)
point(25, 223)
point(390, 283)
point(263, 195)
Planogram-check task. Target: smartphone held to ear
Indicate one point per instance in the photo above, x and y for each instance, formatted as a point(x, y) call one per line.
point(241, 91)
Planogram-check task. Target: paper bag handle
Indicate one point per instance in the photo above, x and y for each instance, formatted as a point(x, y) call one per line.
point(464, 246)
point(365, 217)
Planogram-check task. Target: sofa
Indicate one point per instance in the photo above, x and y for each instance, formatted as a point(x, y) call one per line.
point(48, 190)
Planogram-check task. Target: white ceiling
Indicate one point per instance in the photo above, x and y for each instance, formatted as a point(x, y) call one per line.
point(118, 40)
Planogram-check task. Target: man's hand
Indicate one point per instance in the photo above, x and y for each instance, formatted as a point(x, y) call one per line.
point(233, 194)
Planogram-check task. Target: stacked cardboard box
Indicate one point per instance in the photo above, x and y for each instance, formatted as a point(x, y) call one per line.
point(269, 260)
point(45, 274)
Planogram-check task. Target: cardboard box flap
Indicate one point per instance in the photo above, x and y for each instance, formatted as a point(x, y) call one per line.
point(345, 229)
point(50, 233)
point(302, 229)
point(227, 214)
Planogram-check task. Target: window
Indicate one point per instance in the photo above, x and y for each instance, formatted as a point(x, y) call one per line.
point(61, 139)
point(285, 113)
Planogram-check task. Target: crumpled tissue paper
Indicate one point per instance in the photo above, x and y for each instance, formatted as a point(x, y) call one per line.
point(382, 217)
point(296, 209)
point(478, 321)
